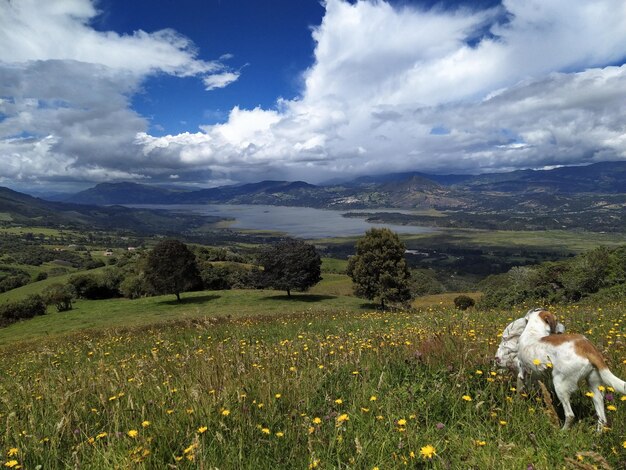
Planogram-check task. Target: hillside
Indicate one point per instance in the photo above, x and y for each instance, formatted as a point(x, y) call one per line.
point(18, 208)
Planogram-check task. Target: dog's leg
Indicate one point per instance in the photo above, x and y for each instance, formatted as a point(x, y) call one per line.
point(563, 390)
point(595, 381)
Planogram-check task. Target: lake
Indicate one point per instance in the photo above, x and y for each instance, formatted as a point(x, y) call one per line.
point(301, 222)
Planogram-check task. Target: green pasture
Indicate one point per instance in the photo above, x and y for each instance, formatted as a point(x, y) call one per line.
point(218, 383)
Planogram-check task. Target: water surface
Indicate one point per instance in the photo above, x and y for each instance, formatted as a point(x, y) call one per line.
point(301, 222)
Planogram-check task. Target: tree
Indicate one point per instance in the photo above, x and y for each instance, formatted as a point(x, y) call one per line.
point(290, 265)
point(171, 268)
point(378, 269)
point(60, 295)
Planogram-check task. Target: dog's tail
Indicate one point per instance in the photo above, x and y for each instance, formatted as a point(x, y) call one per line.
point(586, 349)
point(612, 381)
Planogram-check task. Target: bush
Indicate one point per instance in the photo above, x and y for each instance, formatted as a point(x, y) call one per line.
point(93, 287)
point(60, 295)
point(29, 307)
point(463, 302)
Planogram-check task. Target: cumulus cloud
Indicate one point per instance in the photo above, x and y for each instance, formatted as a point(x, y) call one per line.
point(395, 88)
point(524, 84)
point(66, 91)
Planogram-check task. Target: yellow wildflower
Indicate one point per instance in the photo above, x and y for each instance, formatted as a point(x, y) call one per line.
point(428, 452)
point(466, 398)
point(133, 433)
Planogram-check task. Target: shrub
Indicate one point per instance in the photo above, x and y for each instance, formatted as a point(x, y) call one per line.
point(59, 295)
point(29, 307)
point(463, 302)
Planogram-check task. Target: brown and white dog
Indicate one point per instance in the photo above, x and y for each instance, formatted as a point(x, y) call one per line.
point(570, 357)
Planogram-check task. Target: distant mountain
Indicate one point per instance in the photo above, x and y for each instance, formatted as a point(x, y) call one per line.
point(604, 178)
point(16, 207)
point(523, 190)
point(123, 193)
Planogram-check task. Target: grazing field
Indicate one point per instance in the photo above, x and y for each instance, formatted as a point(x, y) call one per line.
point(317, 387)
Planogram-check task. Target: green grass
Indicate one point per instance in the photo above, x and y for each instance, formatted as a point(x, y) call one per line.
point(39, 286)
point(97, 314)
point(310, 389)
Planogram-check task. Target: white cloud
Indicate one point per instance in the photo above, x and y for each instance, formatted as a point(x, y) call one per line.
point(219, 80)
point(526, 84)
point(385, 77)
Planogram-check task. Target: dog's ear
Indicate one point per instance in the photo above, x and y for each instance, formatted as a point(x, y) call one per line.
point(549, 319)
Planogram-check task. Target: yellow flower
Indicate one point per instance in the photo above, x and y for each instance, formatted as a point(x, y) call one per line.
point(145, 424)
point(402, 422)
point(101, 435)
point(280, 434)
point(265, 431)
point(480, 443)
point(278, 395)
point(317, 420)
point(479, 372)
point(338, 401)
point(536, 362)
point(611, 408)
point(624, 445)
point(428, 452)
point(601, 388)
point(342, 418)
point(466, 398)
point(11, 463)
point(373, 398)
point(502, 422)
point(202, 429)
point(225, 412)
point(12, 452)
point(589, 394)
point(133, 433)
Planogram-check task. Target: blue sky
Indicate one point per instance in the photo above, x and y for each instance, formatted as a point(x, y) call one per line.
point(204, 93)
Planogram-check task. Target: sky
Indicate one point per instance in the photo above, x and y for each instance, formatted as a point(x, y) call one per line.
point(203, 93)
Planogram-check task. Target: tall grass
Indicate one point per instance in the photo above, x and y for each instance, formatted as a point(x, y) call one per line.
point(310, 389)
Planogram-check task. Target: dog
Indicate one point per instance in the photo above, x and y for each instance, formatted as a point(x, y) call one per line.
point(570, 357)
point(506, 355)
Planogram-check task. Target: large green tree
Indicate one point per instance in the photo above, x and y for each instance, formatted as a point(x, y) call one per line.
point(171, 268)
point(290, 265)
point(379, 270)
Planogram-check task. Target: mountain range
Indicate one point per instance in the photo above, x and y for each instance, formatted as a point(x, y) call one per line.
point(402, 190)
point(592, 197)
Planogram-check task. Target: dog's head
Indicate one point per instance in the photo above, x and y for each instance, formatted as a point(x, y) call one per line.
point(549, 321)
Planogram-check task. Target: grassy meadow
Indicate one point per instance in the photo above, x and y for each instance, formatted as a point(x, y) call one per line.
point(229, 382)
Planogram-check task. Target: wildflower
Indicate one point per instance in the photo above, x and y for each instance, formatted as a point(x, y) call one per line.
point(402, 422)
point(342, 418)
point(536, 362)
point(12, 452)
point(102, 435)
point(202, 429)
point(502, 422)
point(355, 372)
point(428, 452)
point(611, 408)
point(624, 445)
point(589, 394)
point(189, 449)
point(11, 463)
point(466, 398)
point(265, 431)
point(145, 424)
point(480, 443)
point(280, 434)
point(479, 372)
point(338, 401)
point(225, 412)
point(278, 395)
point(133, 433)
point(317, 420)
point(373, 398)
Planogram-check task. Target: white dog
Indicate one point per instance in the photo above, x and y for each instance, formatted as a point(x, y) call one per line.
point(506, 355)
point(570, 357)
